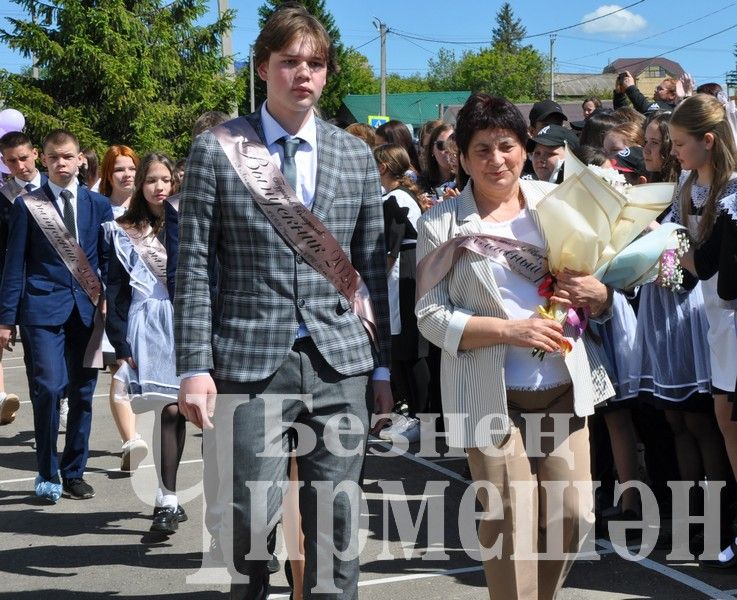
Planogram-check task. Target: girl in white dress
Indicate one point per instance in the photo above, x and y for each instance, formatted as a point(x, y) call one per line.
point(140, 325)
point(117, 180)
point(704, 145)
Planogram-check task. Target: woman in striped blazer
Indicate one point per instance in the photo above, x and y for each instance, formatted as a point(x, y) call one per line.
point(521, 419)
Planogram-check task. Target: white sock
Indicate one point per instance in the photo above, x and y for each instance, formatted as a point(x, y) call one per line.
point(3, 395)
point(169, 500)
point(727, 554)
point(159, 497)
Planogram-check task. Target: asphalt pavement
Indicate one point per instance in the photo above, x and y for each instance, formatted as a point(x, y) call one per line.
point(102, 548)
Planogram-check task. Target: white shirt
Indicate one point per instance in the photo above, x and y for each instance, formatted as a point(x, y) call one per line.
point(404, 200)
point(35, 182)
point(72, 187)
point(522, 371)
point(305, 158)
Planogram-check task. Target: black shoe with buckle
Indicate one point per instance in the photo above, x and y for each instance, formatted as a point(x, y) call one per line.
point(165, 519)
point(77, 488)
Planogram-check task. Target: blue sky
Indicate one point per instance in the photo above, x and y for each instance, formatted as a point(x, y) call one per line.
point(644, 28)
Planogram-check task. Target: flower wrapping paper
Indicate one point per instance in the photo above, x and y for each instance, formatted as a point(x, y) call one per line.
point(587, 221)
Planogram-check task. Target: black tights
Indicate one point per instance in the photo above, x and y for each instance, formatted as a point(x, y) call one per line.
point(412, 380)
point(169, 436)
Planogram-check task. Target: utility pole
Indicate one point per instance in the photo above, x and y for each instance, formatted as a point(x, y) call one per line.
point(381, 26)
point(552, 67)
point(251, 79)
point(34, 67)
point(228, 52)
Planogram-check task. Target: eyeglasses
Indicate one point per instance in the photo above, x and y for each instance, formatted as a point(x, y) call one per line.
point(440, 145)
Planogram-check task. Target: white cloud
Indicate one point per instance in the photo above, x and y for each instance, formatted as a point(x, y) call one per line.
point(622, 22)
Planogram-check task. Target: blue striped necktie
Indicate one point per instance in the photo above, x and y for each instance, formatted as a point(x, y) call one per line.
point(289, 166)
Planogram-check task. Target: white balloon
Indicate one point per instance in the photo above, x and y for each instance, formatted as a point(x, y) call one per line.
point(12, 120)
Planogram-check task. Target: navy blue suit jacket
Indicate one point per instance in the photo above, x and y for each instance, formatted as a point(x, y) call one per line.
point(6, 206)
point(171, 243)
point(37, 288)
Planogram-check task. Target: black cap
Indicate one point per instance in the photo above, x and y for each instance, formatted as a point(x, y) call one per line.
point(577, 125)
point(543, 109)
point(629, 160)
point(553, 135)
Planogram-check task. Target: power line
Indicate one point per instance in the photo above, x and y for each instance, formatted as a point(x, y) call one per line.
point(404, 37)
point(656, 34)
point(583, 22)
point(534, 35)
point(645, 60)
point(367, 43)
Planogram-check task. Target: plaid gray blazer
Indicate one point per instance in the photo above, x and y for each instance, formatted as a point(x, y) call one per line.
point(245, 333)
point(472, 381)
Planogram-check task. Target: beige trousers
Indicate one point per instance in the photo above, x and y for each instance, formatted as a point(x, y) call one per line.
point(539, 527)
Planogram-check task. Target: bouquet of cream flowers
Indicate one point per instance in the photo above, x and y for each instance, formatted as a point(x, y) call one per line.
point(592, 217)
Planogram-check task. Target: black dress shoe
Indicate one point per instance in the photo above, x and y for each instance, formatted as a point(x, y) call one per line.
point(165, 520)
point(273, 565)
point(181, 515)
point(77, 488)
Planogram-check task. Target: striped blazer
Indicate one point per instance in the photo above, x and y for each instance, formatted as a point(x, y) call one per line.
point(472, 381)
point(246, 332)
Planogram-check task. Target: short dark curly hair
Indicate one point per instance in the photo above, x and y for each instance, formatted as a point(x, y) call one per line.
point(482, 111)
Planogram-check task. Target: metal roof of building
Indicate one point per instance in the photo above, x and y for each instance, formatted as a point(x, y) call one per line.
point(410, 108)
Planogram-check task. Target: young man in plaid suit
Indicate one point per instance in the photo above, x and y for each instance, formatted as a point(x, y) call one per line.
point(278, 333)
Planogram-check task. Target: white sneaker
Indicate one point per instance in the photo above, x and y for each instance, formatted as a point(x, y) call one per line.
point(9, 405)
point(63, 412)
point(134, 451)
point(407, 427)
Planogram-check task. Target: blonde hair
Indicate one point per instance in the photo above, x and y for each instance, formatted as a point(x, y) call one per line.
point(363, 132)
point(670, 85)
point(698, 115)
point(631, 131)
point(396, 160)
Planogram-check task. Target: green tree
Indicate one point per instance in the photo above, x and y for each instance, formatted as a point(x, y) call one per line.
point(517, 77)
point(137, 72)
point(442, 72)
point(732, 75)
point(397, 84)
point(509, 32)
point(351, 77)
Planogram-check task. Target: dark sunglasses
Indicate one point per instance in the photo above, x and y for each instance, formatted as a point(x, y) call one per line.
point(440, 145)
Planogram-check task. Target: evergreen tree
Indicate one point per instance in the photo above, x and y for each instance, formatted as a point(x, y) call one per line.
point(508, 34)
point(136, 72)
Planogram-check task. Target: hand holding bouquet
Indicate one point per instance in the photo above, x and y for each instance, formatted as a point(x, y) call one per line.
point(589, 219)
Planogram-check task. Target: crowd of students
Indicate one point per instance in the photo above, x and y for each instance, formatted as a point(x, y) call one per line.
point(672, 355)
point(74, 257)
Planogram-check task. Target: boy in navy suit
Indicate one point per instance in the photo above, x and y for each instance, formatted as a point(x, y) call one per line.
point(19, 157)
point(50, 287)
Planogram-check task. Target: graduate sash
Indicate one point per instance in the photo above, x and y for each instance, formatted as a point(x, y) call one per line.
point(150, 250)
point(11, 190)
point(296, 224)
point(526, 260)
point(49, 221)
